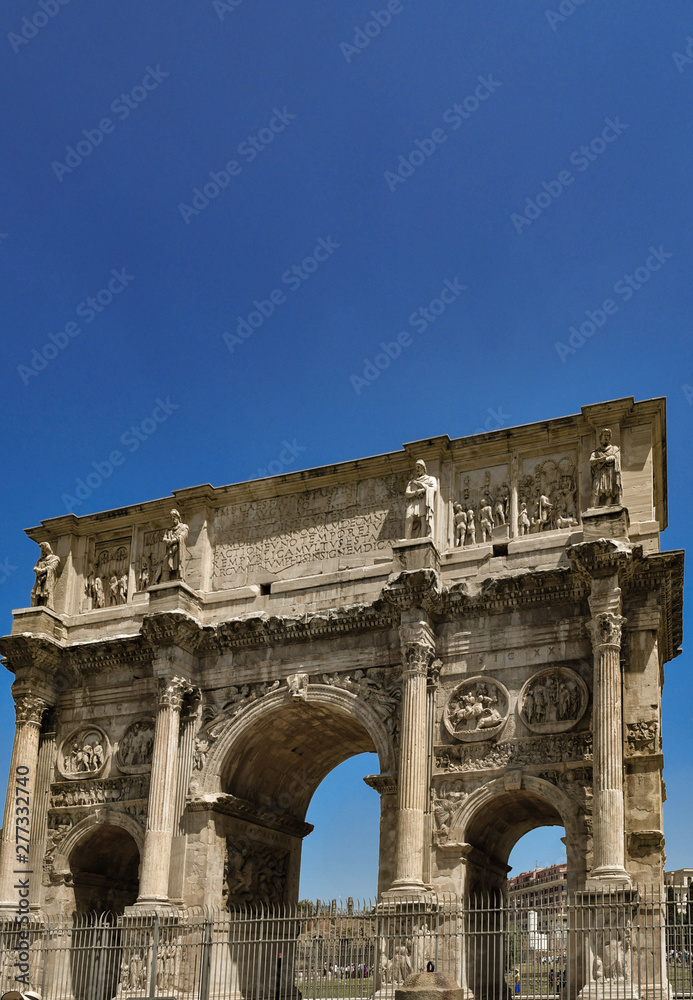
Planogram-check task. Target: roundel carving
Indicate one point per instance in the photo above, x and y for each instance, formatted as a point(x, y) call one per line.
point(84, 753)
point(136, 747)
point(553, 700)
point(477, 709)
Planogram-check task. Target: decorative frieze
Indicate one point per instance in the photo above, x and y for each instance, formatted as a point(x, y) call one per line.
point(540, 750)
point(102, 791)
point(643, 738)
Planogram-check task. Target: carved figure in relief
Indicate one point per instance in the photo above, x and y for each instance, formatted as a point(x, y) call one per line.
point(471, 527)
point(85, 755)
point(460, 523)
point(605, 466)
point(176, 551)
point(137, 745)
point(298, 686)
point(544, 507)
point(486, 520)
point(475, 707)
point(500, 507)
point(523, 522)
point(420, 495)
point(46, 570)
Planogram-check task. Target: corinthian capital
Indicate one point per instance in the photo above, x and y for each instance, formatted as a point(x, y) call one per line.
point(605, 630)
point(171, 691)
point(418, 646)
point(29, 708)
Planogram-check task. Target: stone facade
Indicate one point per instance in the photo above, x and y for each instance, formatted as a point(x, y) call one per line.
point(190, 670)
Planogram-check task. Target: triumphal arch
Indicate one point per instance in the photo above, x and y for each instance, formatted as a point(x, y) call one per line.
point(491, 615)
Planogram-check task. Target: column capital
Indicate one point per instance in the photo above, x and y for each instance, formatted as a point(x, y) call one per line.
point(29, 708)
point(418, 645)
point(605, 630)
point(171, 691)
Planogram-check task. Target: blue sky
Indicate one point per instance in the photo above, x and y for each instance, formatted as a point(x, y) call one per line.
point(180, 164)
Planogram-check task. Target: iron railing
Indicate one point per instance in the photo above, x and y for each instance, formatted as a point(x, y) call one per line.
point(608, 946)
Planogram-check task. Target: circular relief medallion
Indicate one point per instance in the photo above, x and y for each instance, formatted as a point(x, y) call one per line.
point(477, 709)
point(84, 754)
point(136, 747)
point(553, 700)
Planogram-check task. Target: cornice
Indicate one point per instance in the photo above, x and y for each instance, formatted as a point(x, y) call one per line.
point(512, 591)
point(171, 628)
point(232, 805)
point(270, 630)
point(29, 652)
point(419, 588)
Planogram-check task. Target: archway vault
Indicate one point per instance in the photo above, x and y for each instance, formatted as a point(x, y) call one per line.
point(281, 748)
point(494, 817)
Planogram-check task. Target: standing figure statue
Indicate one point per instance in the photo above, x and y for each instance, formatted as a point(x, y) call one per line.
point(176, 551)
point(605, 465)
point(460, 523)
point(421, 498)
point(46, 570)
point(471, 526)
point(486, 519)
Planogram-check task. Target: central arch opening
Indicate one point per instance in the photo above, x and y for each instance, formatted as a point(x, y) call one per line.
point(270, 775)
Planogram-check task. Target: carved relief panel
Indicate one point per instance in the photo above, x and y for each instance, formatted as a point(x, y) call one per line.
point(84, 754)
point(151, 562)
point(136, 747)
point(553, 700)
point(477, 709)
point(481, 503)
point(547, 495)
point(108, 568)
point(256, 873)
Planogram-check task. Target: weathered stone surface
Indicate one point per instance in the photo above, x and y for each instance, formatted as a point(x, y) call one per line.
point(191, 669)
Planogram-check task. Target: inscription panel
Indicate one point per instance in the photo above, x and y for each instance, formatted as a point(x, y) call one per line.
point(359, 518)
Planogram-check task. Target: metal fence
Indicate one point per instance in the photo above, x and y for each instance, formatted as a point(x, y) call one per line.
point(592, 947)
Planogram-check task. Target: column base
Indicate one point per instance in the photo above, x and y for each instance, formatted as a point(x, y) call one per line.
point(608, 989)
point(161, 904)
point(600, 878)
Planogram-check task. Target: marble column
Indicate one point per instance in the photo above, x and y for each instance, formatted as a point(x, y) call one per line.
point(18, 817)
point(608, 816)
point(161, 809)
point(418, 651)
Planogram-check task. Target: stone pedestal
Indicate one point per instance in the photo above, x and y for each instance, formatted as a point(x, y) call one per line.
point(430, 986)
point(501, 534)
point(606, 919)
point(415, 553)
point(605, 522)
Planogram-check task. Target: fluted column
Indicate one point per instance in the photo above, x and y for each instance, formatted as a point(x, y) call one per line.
point(161, 810)
point(19, 805)
point(608, 817)
point(418, 651)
